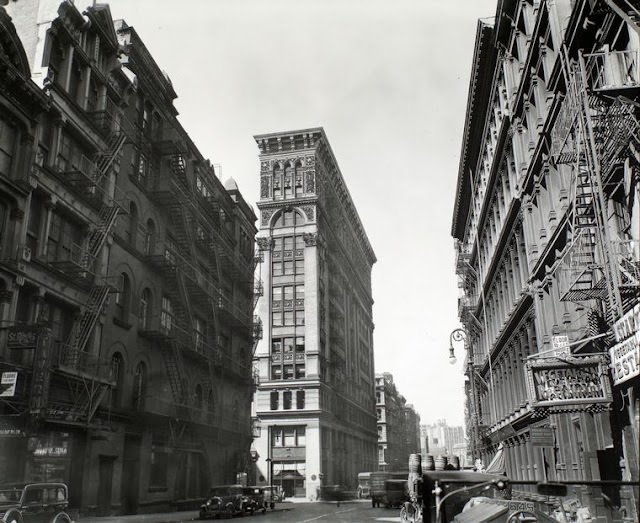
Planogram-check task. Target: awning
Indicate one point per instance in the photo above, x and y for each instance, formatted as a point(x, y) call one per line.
point(497, 465)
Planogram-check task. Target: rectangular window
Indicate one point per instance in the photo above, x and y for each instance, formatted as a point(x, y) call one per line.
point(300, 399)
point(287, 358)
point(7, 147)
point(274, 400)
point(289, 435)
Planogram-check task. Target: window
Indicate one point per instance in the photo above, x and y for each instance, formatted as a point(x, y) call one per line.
point(288, 436)
point(287, 255)
point(117, 364)
point(286, 400)
point(288, 181)
point(166, 314)
point(64, 240)
point(275, 400)
point(131, 233)
point(198, 330)
point(277, 182)
point(150, 238)
point(287, 358)
point(287, 305)
point(139, 386)
point(123, 298)
point(300, 399)
point(143, 309)
point(8, 136)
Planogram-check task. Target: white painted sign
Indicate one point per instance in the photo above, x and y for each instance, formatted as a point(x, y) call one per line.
point(625, 355)
point(8, 384)
point(560, 346)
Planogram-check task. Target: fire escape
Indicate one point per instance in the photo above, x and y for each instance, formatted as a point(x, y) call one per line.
point(89, 377)
point(599, 133)
point(190, 286)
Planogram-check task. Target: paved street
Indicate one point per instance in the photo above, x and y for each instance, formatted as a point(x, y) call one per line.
point(352, 511)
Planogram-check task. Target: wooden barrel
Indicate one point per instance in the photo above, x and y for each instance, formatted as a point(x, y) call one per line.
point(441, 462)
point(415, 464)
point(428, 463)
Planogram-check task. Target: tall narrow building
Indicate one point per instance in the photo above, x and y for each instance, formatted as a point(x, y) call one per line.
point(315, 406)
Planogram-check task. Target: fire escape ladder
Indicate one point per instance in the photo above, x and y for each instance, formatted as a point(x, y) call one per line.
point(175, 371)
point(83, 327)
point(105, 159)
point(87, 396)
point(98, 236)
point(257, 333)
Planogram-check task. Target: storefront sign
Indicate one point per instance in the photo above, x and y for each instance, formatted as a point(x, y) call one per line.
point(23, 337)
point(541, 436)
point(512, 505)
point(580, 382)
point(625, 355)
point(8, 382)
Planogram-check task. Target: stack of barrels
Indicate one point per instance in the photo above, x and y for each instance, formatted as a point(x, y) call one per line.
point(419, 463)
point(415, 475)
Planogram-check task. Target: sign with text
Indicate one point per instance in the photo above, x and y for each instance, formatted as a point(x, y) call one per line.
point(625, 355)
point(578, 383)
point(541, 436)
point(23, 337)
point(8, 382)
point(560, 346)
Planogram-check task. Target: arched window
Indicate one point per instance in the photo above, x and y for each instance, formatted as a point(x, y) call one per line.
point(150, 237)
point(123, 298)
point(139, 386)
point(277, 182)
point(297, 179)
point(117, 366)
point(143, 309)
point(133, 224)
point(288, 181)
point(289, 218)
point(166, 314)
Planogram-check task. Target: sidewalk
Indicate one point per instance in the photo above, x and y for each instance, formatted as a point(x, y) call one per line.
point(169, 517)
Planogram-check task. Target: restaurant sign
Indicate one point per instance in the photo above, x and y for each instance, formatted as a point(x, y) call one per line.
point(575, 383)
point(625, 354)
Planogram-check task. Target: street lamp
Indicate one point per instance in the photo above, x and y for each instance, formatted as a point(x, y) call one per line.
point(456, 335)
point(270, 470)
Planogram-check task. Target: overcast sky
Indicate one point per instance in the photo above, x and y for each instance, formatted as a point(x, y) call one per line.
point(388, 81)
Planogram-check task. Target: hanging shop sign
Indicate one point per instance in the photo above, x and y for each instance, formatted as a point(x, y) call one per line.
point(625, 354)
point(41, 377)
point(23, 337)
point(8, 382)
point(541, 437)
point(568, 384)
point(560, 346)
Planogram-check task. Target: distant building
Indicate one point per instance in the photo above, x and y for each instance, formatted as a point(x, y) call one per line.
point(440, 439)
point(314, 407)
point(398, 426)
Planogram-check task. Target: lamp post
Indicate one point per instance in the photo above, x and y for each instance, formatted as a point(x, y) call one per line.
point(270, 470)
point(461, 335)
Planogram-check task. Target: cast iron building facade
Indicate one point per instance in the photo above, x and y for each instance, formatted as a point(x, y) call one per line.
point(126, 274)
point(315, 403)
point(398, 426)
point(546, 229)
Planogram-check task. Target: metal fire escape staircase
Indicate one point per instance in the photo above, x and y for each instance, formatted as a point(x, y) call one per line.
point(90, 377)
point(598, 135)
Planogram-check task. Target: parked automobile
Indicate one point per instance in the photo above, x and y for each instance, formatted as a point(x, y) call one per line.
point(34, 503)
point(255, 499)
point(224, 500)
point(272, 495)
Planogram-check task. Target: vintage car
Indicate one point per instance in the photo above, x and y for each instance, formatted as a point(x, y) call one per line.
point(34, 502)
point(225, 500)
point(255, 499)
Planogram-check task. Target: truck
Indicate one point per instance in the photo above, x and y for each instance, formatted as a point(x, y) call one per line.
point(378, 486)
point(364, 490)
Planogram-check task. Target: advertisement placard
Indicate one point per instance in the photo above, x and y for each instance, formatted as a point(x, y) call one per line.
point(8, 382)
point(625, 355)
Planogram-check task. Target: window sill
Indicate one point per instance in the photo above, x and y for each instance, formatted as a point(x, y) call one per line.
point(122, 323)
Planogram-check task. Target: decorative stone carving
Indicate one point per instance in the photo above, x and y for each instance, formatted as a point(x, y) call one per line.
point(310, 161)
point(266, 216)
point(310, 181)
point(310, 239)
point(309, 210)
point(264, 244)
point(265, 186)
